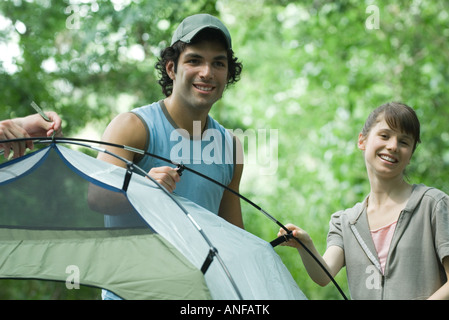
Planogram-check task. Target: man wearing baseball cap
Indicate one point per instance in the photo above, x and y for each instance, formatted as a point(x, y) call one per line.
point(195, 70)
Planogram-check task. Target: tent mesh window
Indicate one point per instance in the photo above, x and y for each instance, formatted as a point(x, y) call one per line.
point(51, 195)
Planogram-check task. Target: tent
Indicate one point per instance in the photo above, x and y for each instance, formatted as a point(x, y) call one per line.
point(52, 227)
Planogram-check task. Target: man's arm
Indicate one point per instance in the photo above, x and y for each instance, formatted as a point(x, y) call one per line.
point(230, 208)
point(125, 129)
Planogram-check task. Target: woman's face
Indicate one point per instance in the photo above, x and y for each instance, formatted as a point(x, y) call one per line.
point(387, 151)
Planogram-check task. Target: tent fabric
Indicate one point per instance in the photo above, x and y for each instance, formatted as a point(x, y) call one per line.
point(50, 255)
point(56, 215)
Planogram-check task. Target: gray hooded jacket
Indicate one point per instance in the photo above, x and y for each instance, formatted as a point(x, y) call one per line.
point(414, 267)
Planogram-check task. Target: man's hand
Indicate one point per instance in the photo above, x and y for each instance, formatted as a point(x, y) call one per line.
point(166, 176)
point(30, 126)
point(10, 130)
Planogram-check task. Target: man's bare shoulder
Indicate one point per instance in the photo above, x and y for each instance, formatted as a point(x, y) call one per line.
point(126, 129)
point(125, 119)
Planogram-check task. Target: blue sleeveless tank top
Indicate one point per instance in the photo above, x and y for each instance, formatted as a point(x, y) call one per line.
point(213, 156)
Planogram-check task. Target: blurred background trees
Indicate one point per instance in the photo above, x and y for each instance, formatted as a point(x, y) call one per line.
point(313, 70)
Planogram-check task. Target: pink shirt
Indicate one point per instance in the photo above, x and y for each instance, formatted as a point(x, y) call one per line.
point(382, 239)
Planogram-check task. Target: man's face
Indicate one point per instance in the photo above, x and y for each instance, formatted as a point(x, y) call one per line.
point(201, 74)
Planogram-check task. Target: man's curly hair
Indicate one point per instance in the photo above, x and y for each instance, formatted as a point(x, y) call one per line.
point(173, 52)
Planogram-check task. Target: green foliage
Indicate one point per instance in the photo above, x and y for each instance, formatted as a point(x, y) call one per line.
point(24, 289)
point(312, 71)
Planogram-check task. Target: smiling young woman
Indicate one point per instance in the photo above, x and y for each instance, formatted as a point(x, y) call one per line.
point(394, 244)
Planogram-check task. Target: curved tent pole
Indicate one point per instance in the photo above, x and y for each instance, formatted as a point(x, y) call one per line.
point(277, 241)
point(213, 252)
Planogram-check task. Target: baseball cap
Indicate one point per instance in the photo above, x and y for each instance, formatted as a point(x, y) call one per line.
point(191, 25)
